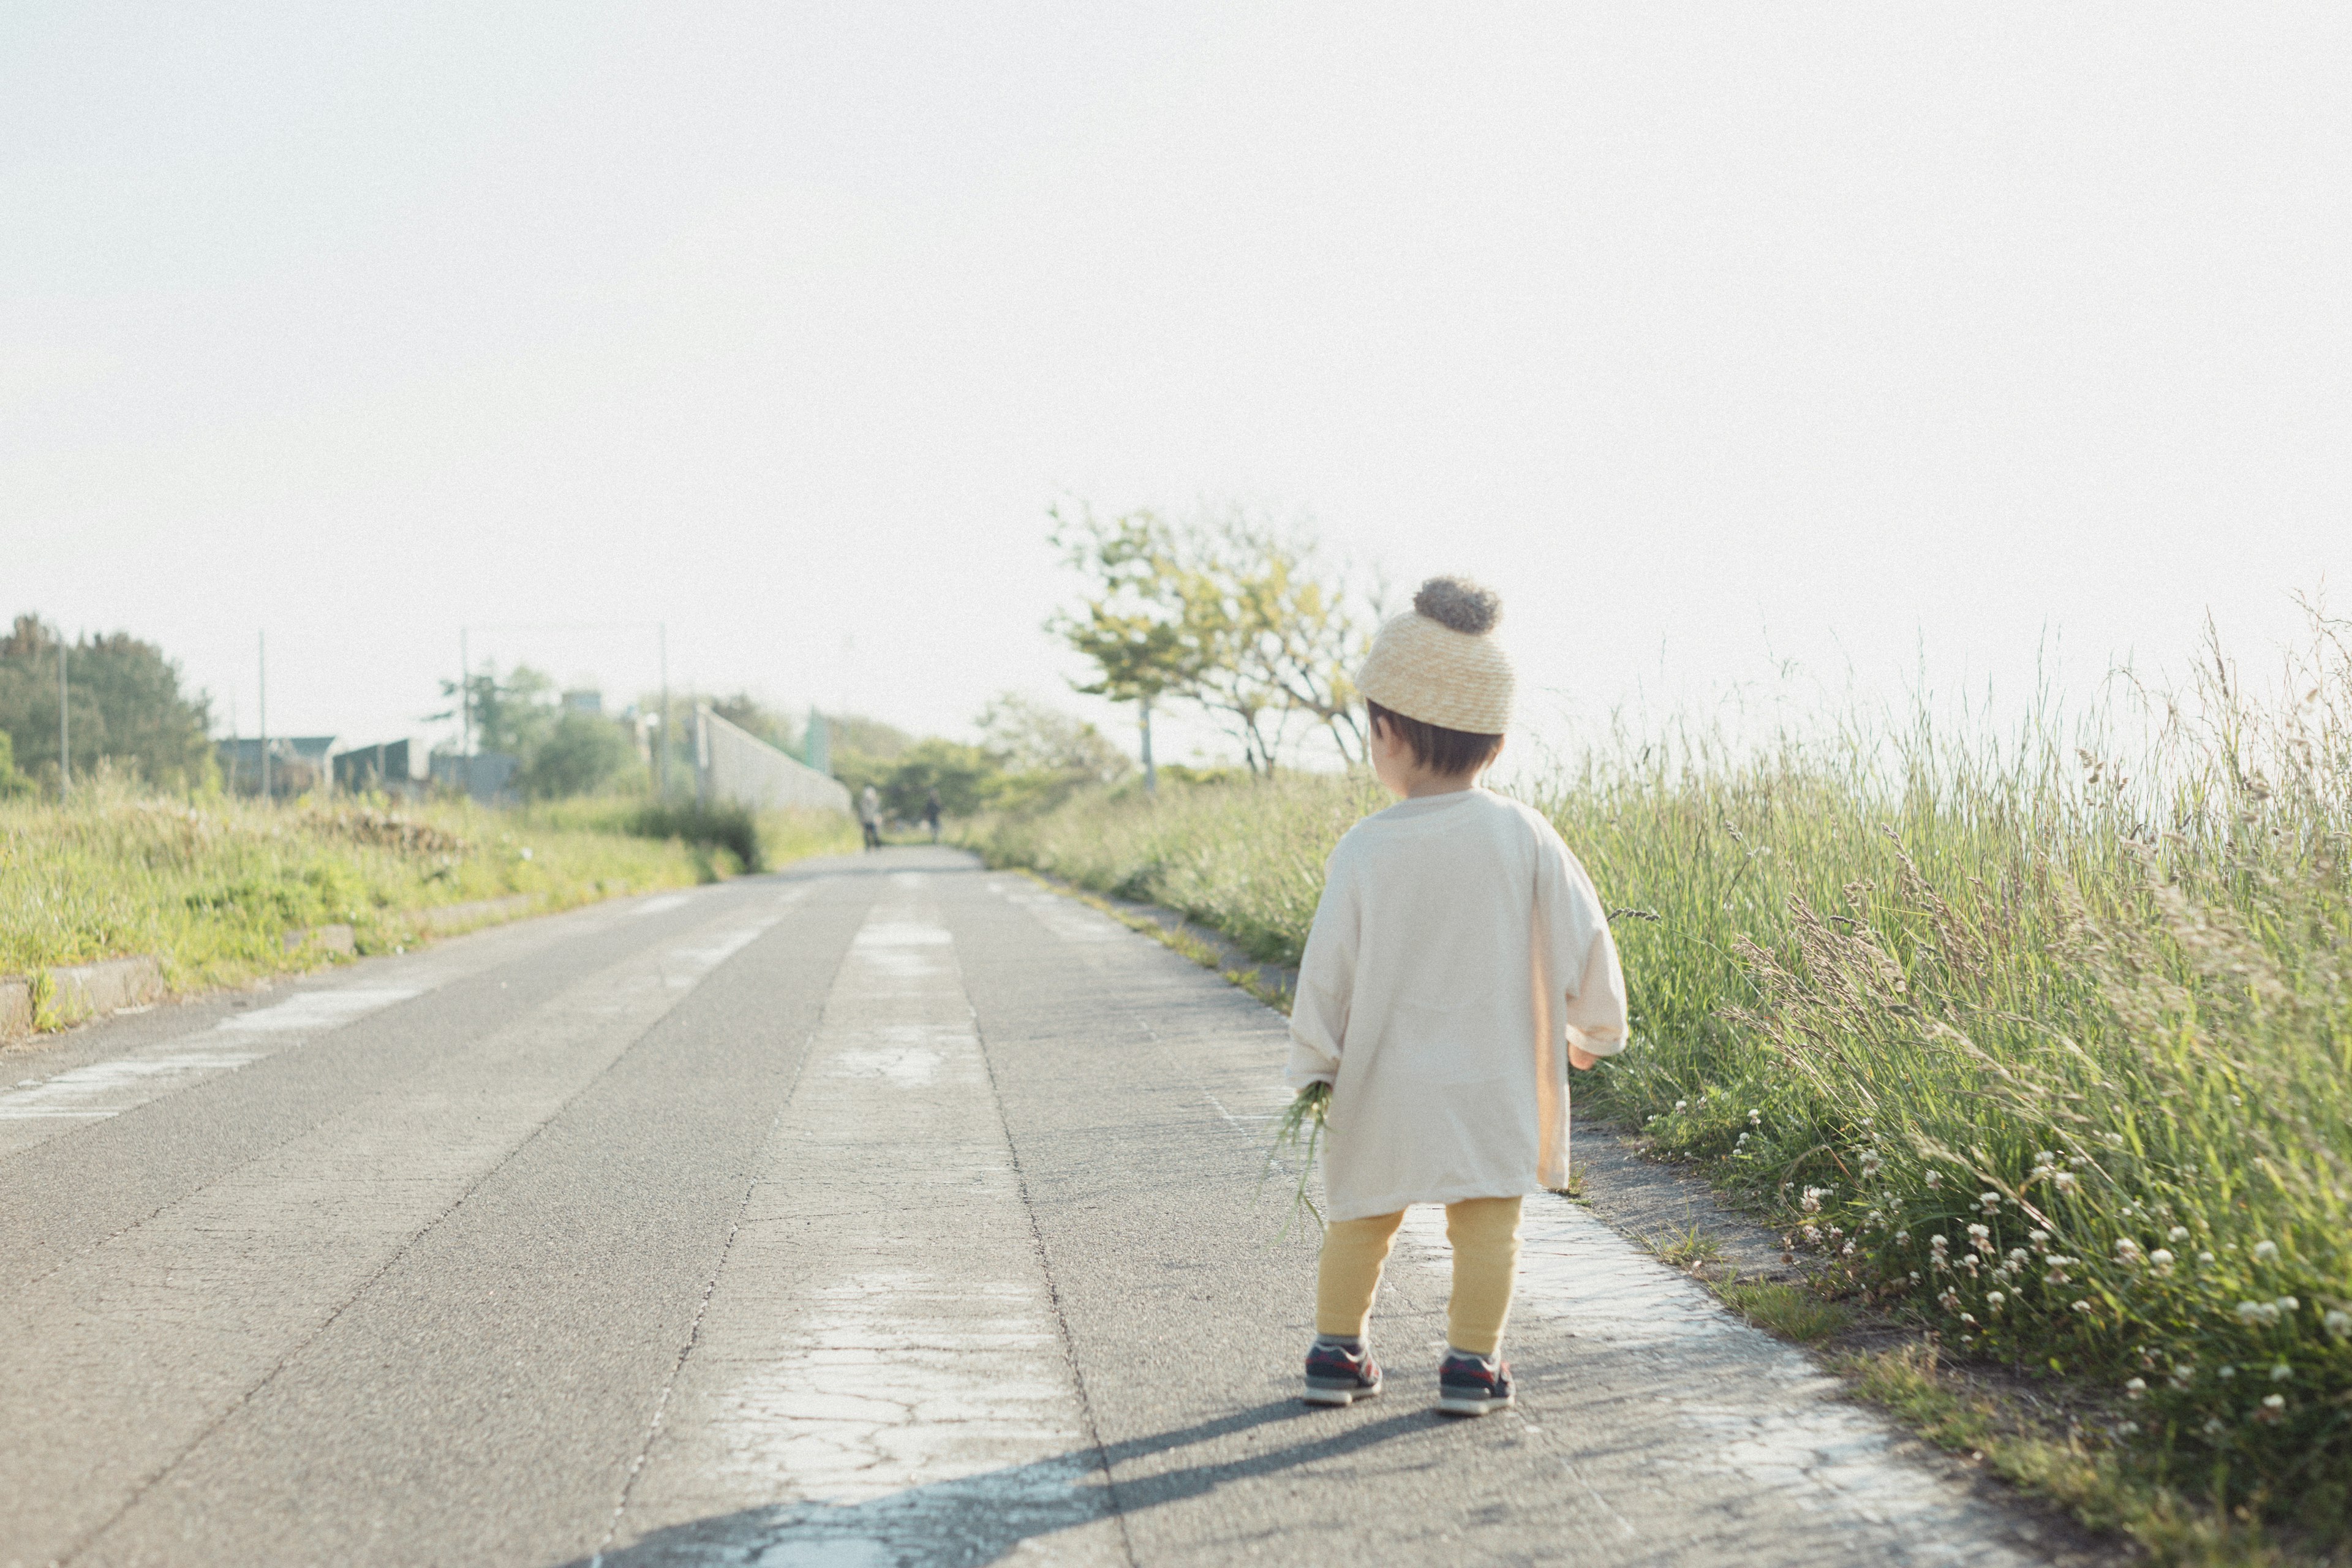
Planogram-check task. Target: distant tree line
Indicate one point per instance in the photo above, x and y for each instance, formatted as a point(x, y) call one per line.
point(125, 713)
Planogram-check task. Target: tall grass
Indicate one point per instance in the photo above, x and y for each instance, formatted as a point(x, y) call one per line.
point(213, 888)
point(2052, 1049)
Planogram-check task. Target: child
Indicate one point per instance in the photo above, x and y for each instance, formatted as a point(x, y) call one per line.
point(1457, 948)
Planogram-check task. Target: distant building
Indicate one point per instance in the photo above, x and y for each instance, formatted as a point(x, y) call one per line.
point(390, 767)
point(589, 702)
point(298, 763)
point(488, 776)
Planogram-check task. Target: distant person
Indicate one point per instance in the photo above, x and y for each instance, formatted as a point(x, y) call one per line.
point(1459, 965)
point(931, 812)
point(869, 816)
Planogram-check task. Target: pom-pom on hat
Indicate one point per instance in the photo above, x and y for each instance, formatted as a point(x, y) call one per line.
point(1439, 662)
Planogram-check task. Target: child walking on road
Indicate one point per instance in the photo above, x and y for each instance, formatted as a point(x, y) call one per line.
point(1460, 963)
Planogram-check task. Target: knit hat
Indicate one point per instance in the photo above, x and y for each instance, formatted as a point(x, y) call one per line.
point(1439, 663)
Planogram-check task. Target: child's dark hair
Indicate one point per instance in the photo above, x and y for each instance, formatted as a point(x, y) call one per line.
point(1440, 750)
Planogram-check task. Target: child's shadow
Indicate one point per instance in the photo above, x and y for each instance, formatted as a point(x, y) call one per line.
point(975, 1520)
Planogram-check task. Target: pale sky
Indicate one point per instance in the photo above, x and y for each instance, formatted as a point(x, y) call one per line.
point(1880, 337)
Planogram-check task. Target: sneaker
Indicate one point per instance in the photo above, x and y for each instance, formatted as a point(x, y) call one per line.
point(1336, 1375)
point(1472, 1386)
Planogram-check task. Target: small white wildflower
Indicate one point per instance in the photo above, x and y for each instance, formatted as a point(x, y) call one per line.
point(2160, 1260)
point(1932, 1178)
point(2225, 1372)
point(1682, 1105)
point(1847, 1250)
point(2275, 1402)
point(2040, 1238)
point(2057, 1269)
point(1949, 1300)
point(2183, 1375)
point(2018, 1255)
point(1914, 1276)
point(2215, 1425)
point(2128, 1252)
point(2081, 1305)
point(2062, 1182)
point(2266, 1252)
point(2337, 1321)
point(2177, 1233)
point(2045, 1157)
point(1756, 1118)
point(1902, 1236)
point(2250, 1312)
point(1937, 1243)
point(1969, 1318)
point(1812, 1199)
point(2134, 1388)
point(2128, 1429)
point(2288, 1304)
point(2205, 1260)
point(2281, 1373)
point(1989, 1202)
point(1993, 1300)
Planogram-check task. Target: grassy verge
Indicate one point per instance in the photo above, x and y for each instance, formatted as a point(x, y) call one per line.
point(2046, 1056)
point(214, 889)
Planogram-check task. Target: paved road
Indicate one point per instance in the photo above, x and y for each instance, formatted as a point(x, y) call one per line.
point(885, 1211)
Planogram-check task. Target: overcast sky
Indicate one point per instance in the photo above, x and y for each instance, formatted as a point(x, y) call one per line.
point(1883, 337)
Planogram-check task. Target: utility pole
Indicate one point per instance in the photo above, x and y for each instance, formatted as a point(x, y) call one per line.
point(1150, 774)
point(65, 752)
point(262, 640)
point(465, 702)
point(661, 773)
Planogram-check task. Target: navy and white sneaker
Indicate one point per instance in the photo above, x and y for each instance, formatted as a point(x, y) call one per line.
point(1339, 1375)
point(1472, 1384)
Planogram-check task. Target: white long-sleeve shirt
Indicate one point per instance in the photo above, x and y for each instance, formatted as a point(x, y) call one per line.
point(1457, 947)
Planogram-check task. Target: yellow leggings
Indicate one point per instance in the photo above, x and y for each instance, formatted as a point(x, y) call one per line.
point(1485, 1237)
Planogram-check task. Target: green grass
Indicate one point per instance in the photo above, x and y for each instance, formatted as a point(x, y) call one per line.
point(213, 888)
point(2047, 1053)
point(1793, 1311)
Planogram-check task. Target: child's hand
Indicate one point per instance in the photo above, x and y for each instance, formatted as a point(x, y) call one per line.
point(1581, 1059)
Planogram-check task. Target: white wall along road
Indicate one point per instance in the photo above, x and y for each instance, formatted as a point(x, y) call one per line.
point(887, 1212)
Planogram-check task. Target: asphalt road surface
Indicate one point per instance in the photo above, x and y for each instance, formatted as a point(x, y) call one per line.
point(887, 1210)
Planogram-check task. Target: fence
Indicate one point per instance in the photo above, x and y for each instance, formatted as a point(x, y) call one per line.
point(731, 763)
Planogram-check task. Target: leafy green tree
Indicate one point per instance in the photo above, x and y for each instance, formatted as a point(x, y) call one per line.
point(583, 753)
point(1028, 737)
point(123, 704)
point(964, 776)
point(1137, 623)
point(511, 715)
point(1249, 621)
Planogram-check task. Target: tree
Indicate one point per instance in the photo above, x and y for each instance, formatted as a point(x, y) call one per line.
point(1137, 627)
point(1027, 737)
point(123, 705)
point(513, 715)
point(964, 777)
point(581, 754)
point(1250, 621)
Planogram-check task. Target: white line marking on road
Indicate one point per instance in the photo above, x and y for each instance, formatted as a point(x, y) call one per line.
point(109, 1088)
point(306, 1012)
point(1065, 917)
point(890, 1385)
point(656, 906)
